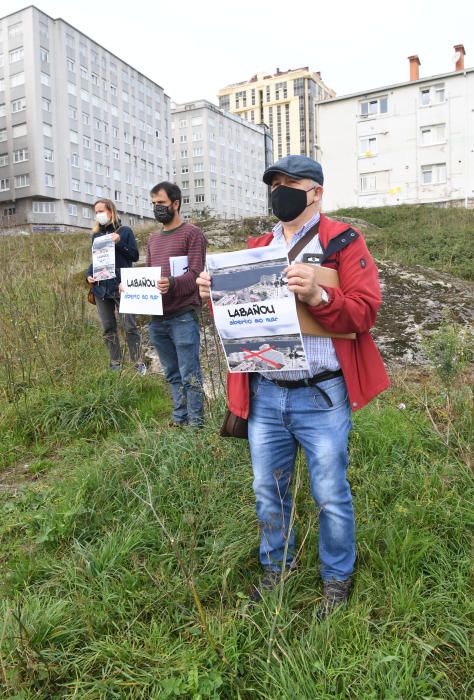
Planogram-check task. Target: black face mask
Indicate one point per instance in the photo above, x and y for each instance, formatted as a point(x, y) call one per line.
point(163, 214)
point(288, 202)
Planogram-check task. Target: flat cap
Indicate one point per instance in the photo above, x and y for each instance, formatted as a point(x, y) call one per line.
point(298, 167)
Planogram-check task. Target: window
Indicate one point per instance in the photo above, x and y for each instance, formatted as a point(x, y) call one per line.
point(197, 151)
point(46, 104)
point(373, 107)
point(15, 30)
point(73, 136)
point(20, 155)
point(71, 66)
point(86, 213)
point(185, 200)
point(72, 209)
point(84, 95)
point(19, 130)
point(185, 184)
point(75, 160)
point(433, 174)
point(3, 110)
point(198, 167)
point(86, 142)
point(367, 146)
point(184, 170)
point(71, 88)
point(374, 182)
point(85, 118)
point(2, 84)
point(435, 94)
point(97, 147)
point(70, 40)
point(22, 181)
point(184, 153)
point(94, 79)
point(183, 123)
point(18, 105)
point(117, 195)
point(47, 129)
point(83, 73)
point(17, 80)
point(4, 184)
point(433, 134)
point(196, 121)
point(199, 198)
point(49, 180)
point(88, 188)
point(113, 89)
point(44, 207)
point(199, 182)
point(72, 112)
point(86, 164)
point(98, 168)
point(45, 79)
point(197, 136)
point(44, 55)
point(183, 138)
point(3, 159)
point(115, 132)
point(117, 175)
point(76, 185)
point(48, 154)
point(16, 55)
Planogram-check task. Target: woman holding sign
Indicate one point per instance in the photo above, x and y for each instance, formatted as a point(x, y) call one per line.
point(113, 247)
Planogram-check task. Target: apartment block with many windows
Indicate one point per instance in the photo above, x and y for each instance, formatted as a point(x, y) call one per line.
point(76, 123)
point(286, 102)
point(410, 143)
point(218, 161)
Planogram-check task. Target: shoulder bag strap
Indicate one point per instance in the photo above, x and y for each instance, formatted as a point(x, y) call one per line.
point(303, 242)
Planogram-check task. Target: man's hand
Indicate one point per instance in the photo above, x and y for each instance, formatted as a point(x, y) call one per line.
point(163, 285)
point(121, 288)
point(302, 281)
point(204, 285)
point(91, 279)
point(115, 237)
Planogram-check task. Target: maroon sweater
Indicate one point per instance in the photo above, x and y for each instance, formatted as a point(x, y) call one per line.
point(186, 239)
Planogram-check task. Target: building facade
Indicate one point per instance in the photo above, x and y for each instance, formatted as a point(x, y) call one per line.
point(285, 102)
point(410, 143)
point(76, 123)
point(218, 162)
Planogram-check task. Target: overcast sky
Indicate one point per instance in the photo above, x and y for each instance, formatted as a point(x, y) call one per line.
point(193, 48)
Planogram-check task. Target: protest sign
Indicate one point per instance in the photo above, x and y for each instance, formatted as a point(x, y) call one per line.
point(103, 258)
point(254, 312)
point(179, 264)
point(141, 295)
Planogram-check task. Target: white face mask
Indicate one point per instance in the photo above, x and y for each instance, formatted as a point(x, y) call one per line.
point(102, 218)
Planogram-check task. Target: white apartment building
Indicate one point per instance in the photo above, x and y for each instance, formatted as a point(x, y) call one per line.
point(218, 161)
point(76, 123)
point(409, 143)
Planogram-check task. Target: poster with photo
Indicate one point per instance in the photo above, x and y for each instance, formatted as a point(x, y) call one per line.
point(103, 258)
point(254, 312)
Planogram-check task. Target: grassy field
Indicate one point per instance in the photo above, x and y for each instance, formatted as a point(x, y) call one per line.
point(127, 549)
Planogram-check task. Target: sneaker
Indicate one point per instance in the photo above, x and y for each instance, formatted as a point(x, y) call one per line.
point(335, 594)
point(115, 366)
point(268, 583)
point(141, 368)
point(173, 424)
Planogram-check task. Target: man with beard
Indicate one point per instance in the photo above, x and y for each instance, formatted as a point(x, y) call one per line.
point(175, 334)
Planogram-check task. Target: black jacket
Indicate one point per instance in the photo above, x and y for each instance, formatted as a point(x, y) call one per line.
point(126, 253)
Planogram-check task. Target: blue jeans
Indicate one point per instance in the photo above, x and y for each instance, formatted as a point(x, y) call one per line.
point(280, 419)
point(176, 340)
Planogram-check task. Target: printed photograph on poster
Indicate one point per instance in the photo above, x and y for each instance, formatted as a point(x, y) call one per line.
point(179, 265)
point(280, 352)
point(254, 312)
point(103, 258)
point(141, 295)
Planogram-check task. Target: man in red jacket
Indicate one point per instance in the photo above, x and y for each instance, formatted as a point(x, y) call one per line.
point(311, 408)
